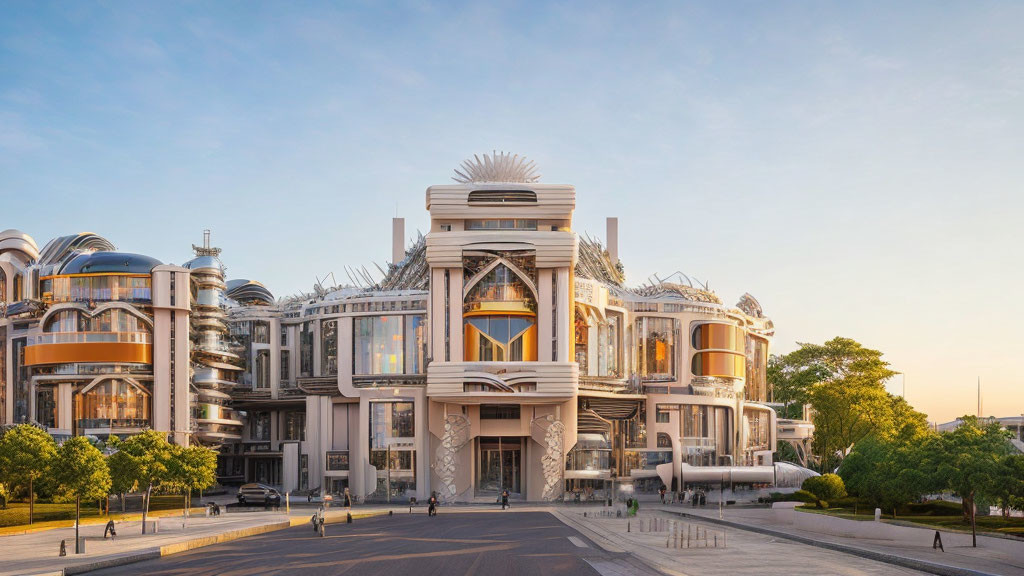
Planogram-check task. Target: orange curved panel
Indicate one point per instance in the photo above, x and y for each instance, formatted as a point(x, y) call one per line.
point(719, 364)
point(88, 352)
point(718, 336)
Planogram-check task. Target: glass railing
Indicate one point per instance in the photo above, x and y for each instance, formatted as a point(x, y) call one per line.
point(102, 423)
point(80, 337)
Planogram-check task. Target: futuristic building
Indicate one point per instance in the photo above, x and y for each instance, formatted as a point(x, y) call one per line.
point(499, 351)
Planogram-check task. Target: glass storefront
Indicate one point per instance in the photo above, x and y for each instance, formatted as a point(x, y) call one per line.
point(392, 433)
point(46, 406)
point(499, 465)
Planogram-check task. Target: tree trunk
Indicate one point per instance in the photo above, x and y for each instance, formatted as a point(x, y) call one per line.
point(31, 501)
point(121, 497)
point(974, 525)
point(78, 509)
point(145, 506)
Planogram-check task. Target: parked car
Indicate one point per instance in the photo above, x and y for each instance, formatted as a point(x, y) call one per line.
point(258, 494)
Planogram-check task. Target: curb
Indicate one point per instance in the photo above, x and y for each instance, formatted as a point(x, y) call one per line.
point(179, 547)
point(902, 561)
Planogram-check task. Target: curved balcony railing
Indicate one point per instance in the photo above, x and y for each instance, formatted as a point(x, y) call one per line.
point(80, 337)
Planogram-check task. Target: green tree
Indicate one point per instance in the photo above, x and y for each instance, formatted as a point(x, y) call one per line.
point(192, 468)
point(26, 453)
point(825, 487)
point(790, 382)
point(124, 474)
point(79, 472)
point(1008, 489)
point(844, 383)
point(968, 461)
point(145, 461)
point(889, 472)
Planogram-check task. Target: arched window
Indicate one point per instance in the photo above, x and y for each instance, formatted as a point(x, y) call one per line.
point(664, 440)
point(62, 321)
point(3, 286)
point(500, 318)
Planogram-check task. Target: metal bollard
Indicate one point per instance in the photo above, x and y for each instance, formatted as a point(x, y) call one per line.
point(716, 540)
point(627, 526)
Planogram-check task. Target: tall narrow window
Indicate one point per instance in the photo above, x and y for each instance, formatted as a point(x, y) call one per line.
point(329, 347)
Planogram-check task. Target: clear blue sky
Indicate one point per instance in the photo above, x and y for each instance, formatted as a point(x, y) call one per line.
point(856, 166)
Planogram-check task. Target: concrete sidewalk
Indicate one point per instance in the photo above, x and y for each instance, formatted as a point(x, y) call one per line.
point(993, 556)
point(37, 552)
point(738, 551)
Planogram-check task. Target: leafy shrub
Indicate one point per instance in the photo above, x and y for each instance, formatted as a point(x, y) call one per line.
point(825, 487)
point(803, 496)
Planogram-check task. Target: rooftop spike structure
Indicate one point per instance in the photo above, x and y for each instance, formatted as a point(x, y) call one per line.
point(497, 167)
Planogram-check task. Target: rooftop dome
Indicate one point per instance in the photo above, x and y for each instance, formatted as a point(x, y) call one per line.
point(203, 263)
point(110, 262)
point(249, 292)
point(17, 241)
point(58, 249)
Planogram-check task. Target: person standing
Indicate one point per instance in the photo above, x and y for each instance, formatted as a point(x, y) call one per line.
point(504, 498)
point(661, 491)
point(348, 500)
point(432, 504)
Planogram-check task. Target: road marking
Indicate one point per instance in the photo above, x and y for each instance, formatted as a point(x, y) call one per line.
point(577, 541)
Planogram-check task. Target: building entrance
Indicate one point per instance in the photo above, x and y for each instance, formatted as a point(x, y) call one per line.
point(499, 465)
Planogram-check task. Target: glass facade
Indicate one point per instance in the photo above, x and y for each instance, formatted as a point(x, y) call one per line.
point(259, 426)
point(294, 425)
point(306, 349)
point(261, 369)
point(389, 344)
point(97, 288)
point(656, 339)
point(112, 403)
point(20, 373)
point(756, 389)
point(329, 348)
point(500, 338)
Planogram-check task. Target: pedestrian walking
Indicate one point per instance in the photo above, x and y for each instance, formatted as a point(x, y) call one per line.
point(348, 500)
point(432, 504)
point(504, 499)
point(662, 491)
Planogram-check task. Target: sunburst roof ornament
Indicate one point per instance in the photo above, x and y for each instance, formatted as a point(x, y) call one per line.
point(497, 167)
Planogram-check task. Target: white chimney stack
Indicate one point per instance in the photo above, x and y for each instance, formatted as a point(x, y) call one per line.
point(612, 238)
point(397, 240)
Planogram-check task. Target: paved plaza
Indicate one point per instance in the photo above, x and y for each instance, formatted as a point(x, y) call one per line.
point(462, 540)
point(488, 543)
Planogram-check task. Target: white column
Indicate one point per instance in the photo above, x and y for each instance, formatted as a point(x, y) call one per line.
point(345, 364)
point(182, 405)
point(437, 302)
point(161, 401)
point(423, 456)
point(313, 447)
point(544, 313)
point(563, 315)
point(275, 357)
point(359, 455)
point(455, 312)
point(64, 406)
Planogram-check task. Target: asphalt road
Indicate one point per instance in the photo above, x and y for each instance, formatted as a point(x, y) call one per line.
point(450, 544)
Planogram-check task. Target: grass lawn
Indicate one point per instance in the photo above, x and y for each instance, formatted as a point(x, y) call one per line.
point(937, 514)
point(63, 514)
